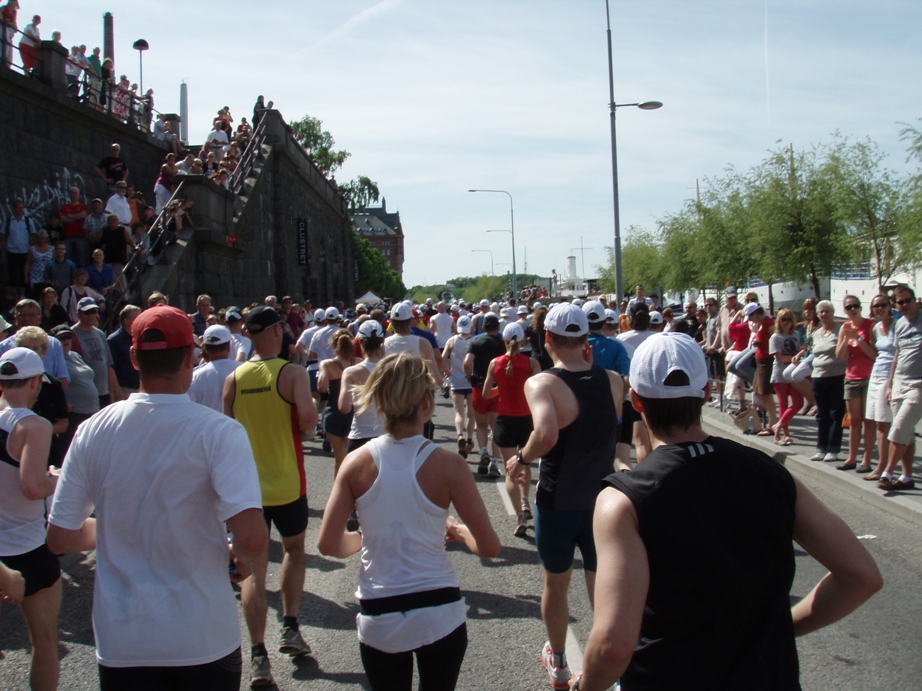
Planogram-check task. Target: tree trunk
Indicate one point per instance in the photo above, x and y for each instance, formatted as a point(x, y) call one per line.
point(816, 282)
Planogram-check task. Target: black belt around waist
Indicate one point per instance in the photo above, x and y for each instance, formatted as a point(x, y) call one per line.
point(410, 601)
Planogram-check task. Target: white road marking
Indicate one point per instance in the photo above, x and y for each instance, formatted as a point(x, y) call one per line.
point(507, 502)
point(574, 651)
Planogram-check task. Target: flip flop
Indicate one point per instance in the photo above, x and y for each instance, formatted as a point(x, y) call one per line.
point(765, 432)
point(846, 466)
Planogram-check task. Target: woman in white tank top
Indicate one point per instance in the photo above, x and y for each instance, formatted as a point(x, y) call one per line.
point(409, 596)
point(366, 425)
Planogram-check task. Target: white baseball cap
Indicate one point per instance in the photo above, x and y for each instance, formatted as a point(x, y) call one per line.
point(595, 311)
point(535, 305)
point(20, 363)
point(455, 308)
point(216, 335)
point(611, 315)
point(661, 355)
point(402, 312)
point(565, 319)
point(465, 325)
point(371, 328)
point(320, 315)
point(332, 313)
point(484, 303)
point(522, 310)
point(656, 317)
point(751, 309)
point(514, 331)
point(578, 302)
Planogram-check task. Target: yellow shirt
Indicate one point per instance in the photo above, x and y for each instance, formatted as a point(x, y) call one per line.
point(272, 425)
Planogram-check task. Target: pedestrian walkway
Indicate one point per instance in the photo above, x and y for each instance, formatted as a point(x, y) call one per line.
point(906, 504)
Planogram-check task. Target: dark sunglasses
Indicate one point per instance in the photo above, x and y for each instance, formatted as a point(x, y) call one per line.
point(880, 305)
point(853, 307)
point(905, 302)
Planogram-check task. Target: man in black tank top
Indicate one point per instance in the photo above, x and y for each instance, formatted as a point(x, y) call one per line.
point(575, 406)
point(695, 550)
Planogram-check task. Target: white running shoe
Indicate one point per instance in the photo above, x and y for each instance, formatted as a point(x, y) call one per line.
point(558, 676)
point(818, 456)
point(831, 457)
point(521, 528)
point(494, 468)
point(260, 672)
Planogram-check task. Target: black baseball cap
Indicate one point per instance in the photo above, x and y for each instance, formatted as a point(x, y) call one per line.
point(261, 318)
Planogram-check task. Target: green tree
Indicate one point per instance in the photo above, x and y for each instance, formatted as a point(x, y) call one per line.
point(374, 272)
point(318, 143)
point(872, 203)
point(489, 287)
point(360, 193)
point(641, 261)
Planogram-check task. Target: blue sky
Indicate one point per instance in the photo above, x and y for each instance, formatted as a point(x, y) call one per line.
point(434, 98)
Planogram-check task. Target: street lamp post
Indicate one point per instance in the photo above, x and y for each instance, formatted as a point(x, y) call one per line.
point(492, 275)
point(645, 105)
point(507, 272)
point(515, 284)
point(141, 45)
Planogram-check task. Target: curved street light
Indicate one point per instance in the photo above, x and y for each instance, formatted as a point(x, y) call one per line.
point(515, 285)
point(643, 105)
point(141, 45)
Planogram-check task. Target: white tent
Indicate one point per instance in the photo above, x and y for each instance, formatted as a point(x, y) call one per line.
point(368, 298)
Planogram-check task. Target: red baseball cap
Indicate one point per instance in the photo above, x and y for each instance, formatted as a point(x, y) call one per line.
point(165, 328)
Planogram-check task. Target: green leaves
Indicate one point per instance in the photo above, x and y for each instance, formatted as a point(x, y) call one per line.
point(319, 144)
point(374, 272)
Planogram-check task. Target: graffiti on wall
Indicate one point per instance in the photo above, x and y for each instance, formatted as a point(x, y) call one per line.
point(42, 200)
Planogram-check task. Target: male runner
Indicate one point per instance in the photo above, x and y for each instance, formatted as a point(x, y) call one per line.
point(575, 407)
point(271, 398)
point(482, 351)
point(208, 379)
point(163, 475)
point(695, 550)
point(25, 439)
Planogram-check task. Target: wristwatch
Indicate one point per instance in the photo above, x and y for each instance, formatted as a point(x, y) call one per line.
point(575, 686)
point(518, 458)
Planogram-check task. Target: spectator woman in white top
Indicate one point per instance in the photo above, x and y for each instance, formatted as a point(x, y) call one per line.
point(828, 385)
point(878, 407)
point(402, 486)
point(783, 345)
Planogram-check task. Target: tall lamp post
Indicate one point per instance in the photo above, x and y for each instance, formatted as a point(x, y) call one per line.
point(492, 275)
point(141, 45)
point(645, 105)
point(515, 283)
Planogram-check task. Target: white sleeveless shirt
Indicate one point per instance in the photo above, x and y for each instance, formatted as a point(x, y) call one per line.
point(403, 550)
point(367, 425)
point(22, 521)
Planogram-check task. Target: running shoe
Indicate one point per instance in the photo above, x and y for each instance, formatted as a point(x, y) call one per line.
point(470, 445)
point(260, 674)
point(293, 643)
point(558, 676)
point(326, 446)
point(484, 466)
point(494, 468)
point(526, 510)
point(462, 447)
point(521, 527)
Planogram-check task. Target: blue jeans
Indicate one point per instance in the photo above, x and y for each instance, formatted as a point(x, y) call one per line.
point(76, 251)
point(829, 393)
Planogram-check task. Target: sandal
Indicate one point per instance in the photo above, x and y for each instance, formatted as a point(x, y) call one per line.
point(765, 432)
point(873, 477)
point(847, 466)
point(787, 442)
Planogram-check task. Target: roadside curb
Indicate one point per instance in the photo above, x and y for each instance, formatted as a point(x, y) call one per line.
point(910, 511)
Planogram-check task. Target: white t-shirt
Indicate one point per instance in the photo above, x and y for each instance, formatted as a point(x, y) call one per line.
point(243, 345)
point(320, 343)
point(440, 325)
point(163, 474)
point(305, 339)
point(218, 137)
point(208, 382)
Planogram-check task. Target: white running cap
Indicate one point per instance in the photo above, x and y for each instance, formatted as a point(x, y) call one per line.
point(514, 331)
point(20, 363)
point(751, 309)
point(464, 325)
point(595, 311)
point(402, 312)
point(661, 355)
point(565, 319)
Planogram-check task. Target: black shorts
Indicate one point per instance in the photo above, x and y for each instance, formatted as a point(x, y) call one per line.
point(511, 432)
point(290, 519)
point(40, 568)
point(354, 444)
point(628, 417)
point(220, 675)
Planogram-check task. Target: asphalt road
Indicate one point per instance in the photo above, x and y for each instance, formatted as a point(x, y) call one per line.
point(873, 649)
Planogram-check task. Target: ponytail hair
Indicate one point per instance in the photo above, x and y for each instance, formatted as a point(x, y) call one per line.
point(512, 349)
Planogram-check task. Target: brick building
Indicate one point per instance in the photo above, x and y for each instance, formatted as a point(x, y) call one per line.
point(384, 231)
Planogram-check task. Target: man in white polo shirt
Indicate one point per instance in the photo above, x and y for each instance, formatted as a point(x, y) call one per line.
point(163, 474)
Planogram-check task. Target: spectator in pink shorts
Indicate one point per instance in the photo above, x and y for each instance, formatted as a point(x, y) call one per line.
point(783, 345)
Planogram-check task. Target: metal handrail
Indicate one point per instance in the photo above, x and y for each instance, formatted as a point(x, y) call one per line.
point(245, 164)
point(7, 44)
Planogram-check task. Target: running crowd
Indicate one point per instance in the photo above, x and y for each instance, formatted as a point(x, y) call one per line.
point(177, 486)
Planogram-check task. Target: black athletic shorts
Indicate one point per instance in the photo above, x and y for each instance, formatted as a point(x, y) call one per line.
point(511, 432)
point(220, 675)
point(40, 568)
point(354, 444)
point(628, 417)
point(290, 519)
